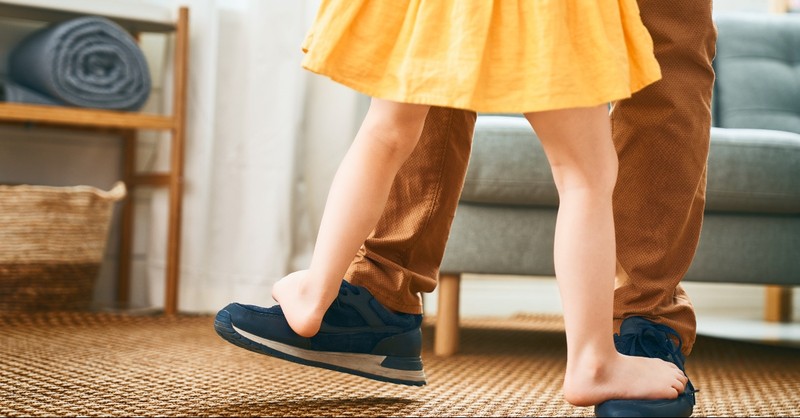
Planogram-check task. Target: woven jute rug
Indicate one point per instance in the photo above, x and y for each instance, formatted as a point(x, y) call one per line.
point(91, 364)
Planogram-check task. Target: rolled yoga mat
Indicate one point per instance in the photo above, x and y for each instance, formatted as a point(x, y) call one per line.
point(86, 62)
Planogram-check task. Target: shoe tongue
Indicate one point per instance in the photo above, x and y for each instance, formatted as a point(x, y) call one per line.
point(346, 285)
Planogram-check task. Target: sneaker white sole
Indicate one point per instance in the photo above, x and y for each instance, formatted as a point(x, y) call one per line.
point(366, 363)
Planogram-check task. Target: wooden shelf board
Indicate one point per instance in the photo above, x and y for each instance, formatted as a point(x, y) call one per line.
point(138, 17)
point(67, 116)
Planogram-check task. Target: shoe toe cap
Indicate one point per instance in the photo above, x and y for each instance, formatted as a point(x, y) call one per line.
point(269, 322)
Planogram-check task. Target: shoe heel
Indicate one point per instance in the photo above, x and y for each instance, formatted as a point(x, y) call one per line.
point(402, 363)
point(408, 344)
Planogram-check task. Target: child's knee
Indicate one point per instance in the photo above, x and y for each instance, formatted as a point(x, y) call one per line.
point(397, 144)
point(392, 138)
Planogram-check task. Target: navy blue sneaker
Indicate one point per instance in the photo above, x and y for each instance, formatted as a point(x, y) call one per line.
point(644, 338)
point(358, 336)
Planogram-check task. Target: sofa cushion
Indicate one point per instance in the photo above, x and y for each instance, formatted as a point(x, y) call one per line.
point(750, 170)
point(753, 171)
point(757, 71)
point(508, 165)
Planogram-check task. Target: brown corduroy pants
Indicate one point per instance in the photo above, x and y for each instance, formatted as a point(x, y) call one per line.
point(662, 138)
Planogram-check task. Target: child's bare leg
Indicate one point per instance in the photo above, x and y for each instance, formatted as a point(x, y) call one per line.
point(581, 153)
point(355, 202)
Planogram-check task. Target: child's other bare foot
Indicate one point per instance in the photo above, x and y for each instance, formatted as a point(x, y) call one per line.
point(592, 380)
point(303, 303)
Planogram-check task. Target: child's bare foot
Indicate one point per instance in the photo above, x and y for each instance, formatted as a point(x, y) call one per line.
point(595, 379)
point(303, 303)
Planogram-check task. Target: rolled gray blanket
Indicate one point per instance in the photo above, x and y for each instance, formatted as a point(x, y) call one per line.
point(87, 62)
point(13, 92)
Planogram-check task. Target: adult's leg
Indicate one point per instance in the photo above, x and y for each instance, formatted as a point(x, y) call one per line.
point(401, 257)
point(662, 138)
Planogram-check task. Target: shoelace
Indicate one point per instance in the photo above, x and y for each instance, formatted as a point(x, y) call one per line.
point(344, 290)
point(653, 340)
point(398, 319)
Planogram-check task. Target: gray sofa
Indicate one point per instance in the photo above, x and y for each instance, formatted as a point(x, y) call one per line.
point(751, 233)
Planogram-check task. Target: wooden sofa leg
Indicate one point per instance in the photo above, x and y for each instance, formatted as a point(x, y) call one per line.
point(778, 307)
point(445, 342)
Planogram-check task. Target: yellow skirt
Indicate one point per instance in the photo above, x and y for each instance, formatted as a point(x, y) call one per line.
point(489, 56)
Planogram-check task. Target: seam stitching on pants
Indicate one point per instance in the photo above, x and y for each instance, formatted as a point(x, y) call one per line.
point(436, 194)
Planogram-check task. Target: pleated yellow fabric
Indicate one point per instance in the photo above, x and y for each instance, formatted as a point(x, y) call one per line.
point(484, 55)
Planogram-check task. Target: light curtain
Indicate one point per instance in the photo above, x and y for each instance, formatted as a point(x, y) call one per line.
point(264, 139)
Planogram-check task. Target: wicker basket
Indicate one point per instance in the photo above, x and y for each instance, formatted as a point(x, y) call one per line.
point(52, 241)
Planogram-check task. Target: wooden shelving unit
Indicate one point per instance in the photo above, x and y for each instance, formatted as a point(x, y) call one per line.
point(142, 19)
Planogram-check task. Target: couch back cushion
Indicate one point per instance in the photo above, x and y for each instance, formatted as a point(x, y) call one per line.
point(758, 72)
point(508, 165)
